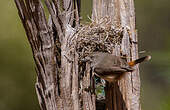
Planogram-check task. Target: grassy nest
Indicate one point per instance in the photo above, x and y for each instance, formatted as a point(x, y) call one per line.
point(99, 36)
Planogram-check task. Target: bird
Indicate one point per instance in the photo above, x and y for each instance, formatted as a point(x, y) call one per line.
point(111, 67)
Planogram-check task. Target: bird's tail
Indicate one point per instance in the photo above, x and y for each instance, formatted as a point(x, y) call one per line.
point(133, 63)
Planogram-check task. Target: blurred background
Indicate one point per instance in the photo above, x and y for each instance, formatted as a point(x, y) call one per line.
point(17, 73)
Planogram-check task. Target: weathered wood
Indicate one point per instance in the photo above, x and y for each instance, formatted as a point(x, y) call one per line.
point(60, 83)
point(42, 42)
point(124, 95)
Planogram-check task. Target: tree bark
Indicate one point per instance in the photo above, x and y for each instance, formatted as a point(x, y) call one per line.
point(124, 95)
point(60, 85)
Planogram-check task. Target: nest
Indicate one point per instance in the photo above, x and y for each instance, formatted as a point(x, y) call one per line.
point(99, 36)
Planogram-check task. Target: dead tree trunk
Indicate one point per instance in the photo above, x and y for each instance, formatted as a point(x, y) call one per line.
point(62, 80)
point(124, 95)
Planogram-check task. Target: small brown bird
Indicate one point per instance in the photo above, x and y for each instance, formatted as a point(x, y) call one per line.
point(110, 67)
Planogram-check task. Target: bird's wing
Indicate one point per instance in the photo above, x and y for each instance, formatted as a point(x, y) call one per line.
point(104, 71)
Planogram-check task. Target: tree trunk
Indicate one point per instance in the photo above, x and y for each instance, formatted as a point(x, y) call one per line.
point(61, 79)
point(124, 95)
